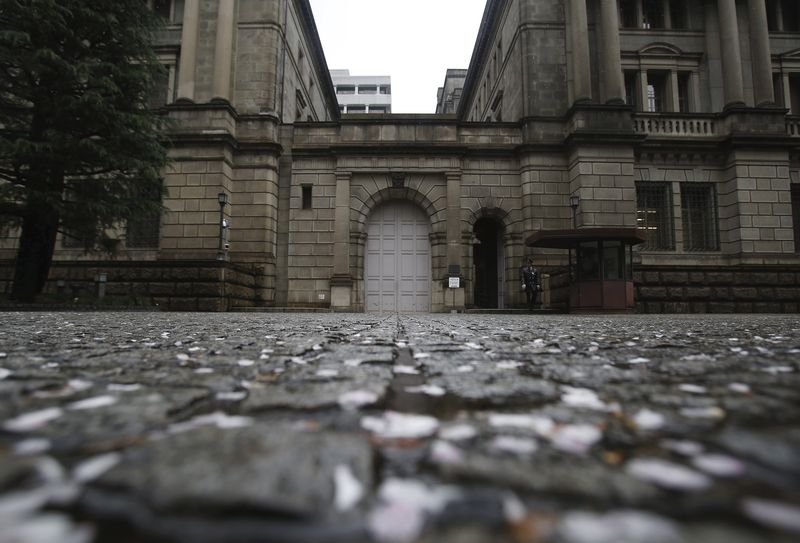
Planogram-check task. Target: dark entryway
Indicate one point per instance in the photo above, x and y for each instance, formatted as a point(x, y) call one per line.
point(487, 254)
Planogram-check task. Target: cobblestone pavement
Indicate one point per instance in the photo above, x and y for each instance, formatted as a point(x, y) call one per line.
point(150, 427)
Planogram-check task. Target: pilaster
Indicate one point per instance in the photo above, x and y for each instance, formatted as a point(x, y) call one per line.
point(342, 280)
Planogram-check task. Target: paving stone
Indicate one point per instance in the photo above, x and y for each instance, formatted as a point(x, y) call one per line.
point(211, 428)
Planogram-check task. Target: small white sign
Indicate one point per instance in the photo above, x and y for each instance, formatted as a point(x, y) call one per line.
point(455, 282)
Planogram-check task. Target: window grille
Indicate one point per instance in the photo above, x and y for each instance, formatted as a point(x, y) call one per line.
point(699, 208)
point(654, 215)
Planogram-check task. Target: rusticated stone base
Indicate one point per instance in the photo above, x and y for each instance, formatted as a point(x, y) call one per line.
point(732, 289)
point(172, 285)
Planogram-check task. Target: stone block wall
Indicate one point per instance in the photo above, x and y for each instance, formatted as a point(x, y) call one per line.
point(717, 289)
point(165, 285)
point(603, 178)
point(755, 204)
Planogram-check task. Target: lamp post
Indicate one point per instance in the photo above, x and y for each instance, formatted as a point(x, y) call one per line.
point(222, 198)
point(574, 202)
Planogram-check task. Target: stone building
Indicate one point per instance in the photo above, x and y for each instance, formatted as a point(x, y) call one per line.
point(449, 94)
point(672, 116)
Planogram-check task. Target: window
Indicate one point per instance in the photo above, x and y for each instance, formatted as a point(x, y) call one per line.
point(794, 93)
point(656, 91)
point(345, 89)
point(163, 8)
point(627, 13)
point(783, 15)
point(631, 84)
point(796, 216)
point(160, 91)
point(367, 89)
point(378, 109)
point(699, 208)
point(791, 16)
point(356, 109)
point(652, 14)
point(678, 15)
point(306, 196)
point(385, 89)
point(654, 215)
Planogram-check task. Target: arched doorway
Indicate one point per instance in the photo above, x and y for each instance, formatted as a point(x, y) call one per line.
point(397, 259)
point(488, 258)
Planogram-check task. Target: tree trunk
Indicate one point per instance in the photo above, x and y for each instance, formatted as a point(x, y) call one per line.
point(36, 244)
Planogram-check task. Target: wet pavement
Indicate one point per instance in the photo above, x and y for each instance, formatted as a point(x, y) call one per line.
point(167, 427)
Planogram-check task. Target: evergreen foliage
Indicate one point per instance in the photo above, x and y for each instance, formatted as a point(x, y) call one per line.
point(80, 151)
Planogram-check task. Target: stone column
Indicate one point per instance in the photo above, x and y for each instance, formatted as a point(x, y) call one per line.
point(341, 237)
point(188, 61)
point(342, 282)
point(454, 219)
point(612, 81)
point(731, 52)
point(673, 92)
point(787, 94)
point(454, 298)
point(763, 89)
point(579, 38)
point(695, 104)
point(642, 90)
point(223, 51)
point(667, 13)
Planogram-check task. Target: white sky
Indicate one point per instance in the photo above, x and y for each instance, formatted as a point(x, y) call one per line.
point(413, 41)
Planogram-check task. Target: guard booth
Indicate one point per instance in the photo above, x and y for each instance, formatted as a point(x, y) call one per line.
point(600, 266)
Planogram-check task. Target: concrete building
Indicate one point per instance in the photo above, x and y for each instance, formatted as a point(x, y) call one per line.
point(362, 93)
point(670, 116)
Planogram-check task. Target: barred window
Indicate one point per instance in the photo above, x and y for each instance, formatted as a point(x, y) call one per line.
point(796, 216)
point(699, 207)
point(143, 231)
point(654, 215)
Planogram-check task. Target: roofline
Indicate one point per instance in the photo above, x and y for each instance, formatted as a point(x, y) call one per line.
point(304, 7)
point(490, 15)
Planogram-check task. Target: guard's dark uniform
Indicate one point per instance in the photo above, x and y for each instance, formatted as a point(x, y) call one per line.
point(530, 282)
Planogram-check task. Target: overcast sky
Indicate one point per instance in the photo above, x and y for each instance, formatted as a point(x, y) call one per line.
point(413, 41)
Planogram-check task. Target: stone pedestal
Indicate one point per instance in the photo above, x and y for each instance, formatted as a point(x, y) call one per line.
point(341, 293)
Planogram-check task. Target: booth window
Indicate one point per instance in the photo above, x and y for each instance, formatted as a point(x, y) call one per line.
point(699, 208)
point(654, 215)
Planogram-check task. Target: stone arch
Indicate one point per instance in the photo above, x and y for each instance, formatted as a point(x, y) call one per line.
point(510, 224)
point(406, 194)
point(370, 191)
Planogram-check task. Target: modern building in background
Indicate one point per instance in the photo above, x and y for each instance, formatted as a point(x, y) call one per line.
point(678, 120)
point(449, 94)
point(362, 93)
